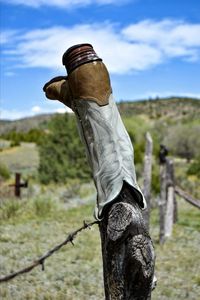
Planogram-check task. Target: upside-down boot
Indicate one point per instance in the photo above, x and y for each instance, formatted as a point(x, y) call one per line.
point(87, 91)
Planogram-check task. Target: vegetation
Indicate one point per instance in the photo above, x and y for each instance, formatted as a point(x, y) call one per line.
point(4, 144)
point(194, 168)
point(23, 159)
point(171, 110)
point(34, 135)
point(30, 227)
point(25, 125)
point(4, 172)
point(174, 122)
point(62, 155)
point(76, 272)
point(182, 140)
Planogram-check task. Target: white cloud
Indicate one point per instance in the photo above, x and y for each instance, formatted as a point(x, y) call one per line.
point(51, 107)
point(44, 48)
point(63, 110)
point(36, 109)
point(136, 47)
point(19, 114)
point(173, 38)
point(64, 3)
point(14, 114)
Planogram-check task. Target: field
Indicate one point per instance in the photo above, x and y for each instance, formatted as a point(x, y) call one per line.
point(23, 159)
point(46, 214)
point(30, 228)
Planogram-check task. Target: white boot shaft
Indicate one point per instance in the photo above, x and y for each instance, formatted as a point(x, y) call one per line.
point(109, 150)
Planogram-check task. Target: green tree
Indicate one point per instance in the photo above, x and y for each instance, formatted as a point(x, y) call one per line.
point(34, 135)
point(194, 168)
point(62, 154)
point(183, 140)
point(136, 128)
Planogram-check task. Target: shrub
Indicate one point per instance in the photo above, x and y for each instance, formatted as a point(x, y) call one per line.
point(194, 168)
point(32, 136)
point(43, 206)
point(9, 209)
point(15, 143)
point(183, 140)
point(4, 172)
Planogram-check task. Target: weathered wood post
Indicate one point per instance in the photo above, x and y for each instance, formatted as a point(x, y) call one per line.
point(147, 177)
point(167, 203)
point(127, 250)
point(162, 203)
point(175, 215)
point(170, 199)
point(18, 185)
point(163, 192)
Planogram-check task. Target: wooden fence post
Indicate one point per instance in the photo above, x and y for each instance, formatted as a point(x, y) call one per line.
point(17, 184)
point(147, 177)
point(170, 196)
point(167, 204)
point(127, 251)
point(162, 203)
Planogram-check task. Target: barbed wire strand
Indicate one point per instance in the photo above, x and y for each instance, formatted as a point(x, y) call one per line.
point(41, 260)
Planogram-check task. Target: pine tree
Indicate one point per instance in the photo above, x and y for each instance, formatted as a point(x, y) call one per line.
point(62, 155)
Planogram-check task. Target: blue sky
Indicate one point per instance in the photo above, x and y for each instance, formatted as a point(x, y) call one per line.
point(151, 48)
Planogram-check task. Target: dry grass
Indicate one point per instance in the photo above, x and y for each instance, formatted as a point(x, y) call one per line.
point(24, 158)
point(177, 264)
point(75, 273)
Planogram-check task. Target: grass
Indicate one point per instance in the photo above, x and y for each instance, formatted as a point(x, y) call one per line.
point(73, 273)
point(4, 145)
point(9, 209)
point(188, 183)
point(23, 158)
point(30, 227)
point(177, 266)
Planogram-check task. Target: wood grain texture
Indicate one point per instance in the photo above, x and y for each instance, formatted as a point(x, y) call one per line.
point(127, 250)
point(147, 178)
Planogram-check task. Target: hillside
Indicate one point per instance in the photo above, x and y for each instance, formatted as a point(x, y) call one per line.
point(25, 124)
point(165, 108)
point(173, 108)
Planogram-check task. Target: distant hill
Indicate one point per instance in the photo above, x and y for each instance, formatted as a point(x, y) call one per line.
point(173, 108)
point(25, 124)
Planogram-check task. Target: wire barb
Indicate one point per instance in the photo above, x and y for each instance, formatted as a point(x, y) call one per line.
point(41, 260)
point(42, 264)
point(85, 224)
point(71, 239)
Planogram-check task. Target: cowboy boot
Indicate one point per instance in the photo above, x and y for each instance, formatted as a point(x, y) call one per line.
point(87, 91)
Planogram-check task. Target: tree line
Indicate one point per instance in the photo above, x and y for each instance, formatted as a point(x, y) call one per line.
point(62, 154)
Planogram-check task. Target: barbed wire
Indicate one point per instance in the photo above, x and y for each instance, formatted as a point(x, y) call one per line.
point(41, 260)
